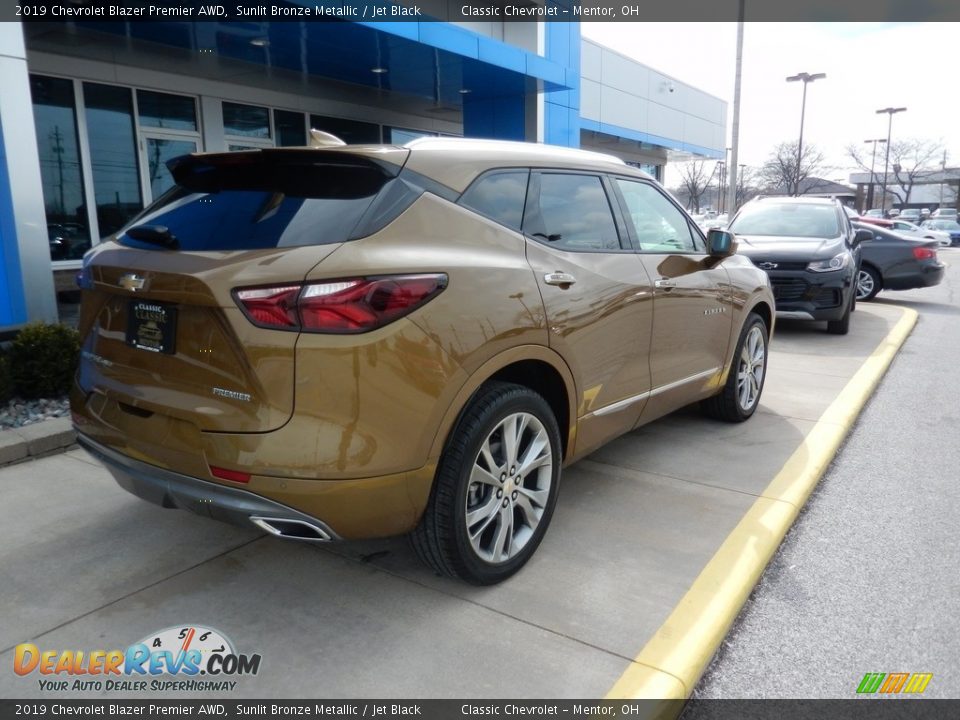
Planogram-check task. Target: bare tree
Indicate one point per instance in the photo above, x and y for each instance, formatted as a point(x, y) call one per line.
point(911, 160)
point(694, 181)
point(746, 184)
point(782, 173)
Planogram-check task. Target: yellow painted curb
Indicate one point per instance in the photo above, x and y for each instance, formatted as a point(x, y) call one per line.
point(683, 646)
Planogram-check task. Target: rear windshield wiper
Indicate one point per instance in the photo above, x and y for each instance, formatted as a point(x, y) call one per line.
point(155, 234)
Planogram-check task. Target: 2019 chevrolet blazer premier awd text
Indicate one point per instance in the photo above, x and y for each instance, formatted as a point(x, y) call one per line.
point(365, 341)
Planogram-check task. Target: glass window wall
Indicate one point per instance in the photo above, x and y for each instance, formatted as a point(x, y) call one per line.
point(55, 118)
point(113, 155)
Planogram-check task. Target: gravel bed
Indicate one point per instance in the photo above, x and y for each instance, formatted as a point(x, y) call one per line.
point(18, 412)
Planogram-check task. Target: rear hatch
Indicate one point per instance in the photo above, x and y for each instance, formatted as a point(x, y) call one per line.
point(161, 330)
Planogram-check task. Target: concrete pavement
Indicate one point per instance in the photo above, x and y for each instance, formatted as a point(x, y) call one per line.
point(87, 566)
point(867, 580)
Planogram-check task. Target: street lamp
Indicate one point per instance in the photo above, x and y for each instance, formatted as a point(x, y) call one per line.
point(722, 166)
point(807, 79)
point(891, 111)
point(873, 177)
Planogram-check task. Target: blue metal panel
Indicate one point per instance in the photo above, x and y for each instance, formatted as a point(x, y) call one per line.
point(502, 55)
point(500, 118)
point(561, 121)
point(545, 69)
point(409, 30)
point(432, 60)
point(628, 134)
point(13, 309)
point(450, 38)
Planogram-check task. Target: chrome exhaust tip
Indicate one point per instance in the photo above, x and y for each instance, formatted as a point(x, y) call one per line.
point(293, 529)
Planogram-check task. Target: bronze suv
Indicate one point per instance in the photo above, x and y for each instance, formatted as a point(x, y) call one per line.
point(363, 341)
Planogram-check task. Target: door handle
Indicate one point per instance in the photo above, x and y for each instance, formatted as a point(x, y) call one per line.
point(559, 278)
point(665, 283)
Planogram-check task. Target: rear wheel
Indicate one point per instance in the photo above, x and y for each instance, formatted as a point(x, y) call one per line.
point(495, 489)
point(741, 394)
point(868, 283)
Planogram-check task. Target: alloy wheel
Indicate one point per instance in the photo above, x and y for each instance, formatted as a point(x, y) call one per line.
point(509, 487)
point(865, 284)
point(753, 360)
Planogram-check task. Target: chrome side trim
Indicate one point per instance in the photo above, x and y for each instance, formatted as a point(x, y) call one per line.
point(619, 405)
point(684, 381)
point(626, 402)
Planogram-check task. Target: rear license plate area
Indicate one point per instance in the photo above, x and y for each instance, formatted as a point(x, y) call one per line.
point(152, 326)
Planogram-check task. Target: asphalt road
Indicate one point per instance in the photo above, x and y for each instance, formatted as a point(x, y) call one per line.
point(868, 580)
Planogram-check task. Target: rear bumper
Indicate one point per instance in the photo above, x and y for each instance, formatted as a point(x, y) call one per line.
point(173, 490)
point(926, 276)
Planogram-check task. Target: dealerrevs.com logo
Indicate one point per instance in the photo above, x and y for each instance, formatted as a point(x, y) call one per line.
point(181, 658)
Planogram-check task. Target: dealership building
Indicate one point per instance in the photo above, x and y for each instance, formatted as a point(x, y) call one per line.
point(91, 111)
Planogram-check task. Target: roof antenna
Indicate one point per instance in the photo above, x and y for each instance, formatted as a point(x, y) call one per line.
point(320, 138)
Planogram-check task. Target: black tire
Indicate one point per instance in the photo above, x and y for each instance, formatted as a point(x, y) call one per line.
point(726, 405)
point(842, 326)
point(874, 282)
point(441, 539)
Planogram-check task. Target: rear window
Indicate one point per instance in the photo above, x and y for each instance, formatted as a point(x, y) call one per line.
point(787, 220)
point(250, 204)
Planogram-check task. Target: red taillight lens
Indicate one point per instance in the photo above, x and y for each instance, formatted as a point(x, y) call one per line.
point(270, 307)
point(924, 253)
point(352, 305)
point(233, 475)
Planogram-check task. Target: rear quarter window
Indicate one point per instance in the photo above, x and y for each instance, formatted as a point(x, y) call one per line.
point(500, 196)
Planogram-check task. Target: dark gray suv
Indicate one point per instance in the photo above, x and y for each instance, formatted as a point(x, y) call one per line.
point(810, 251)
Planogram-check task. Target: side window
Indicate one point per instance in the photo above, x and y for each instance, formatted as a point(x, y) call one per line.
point(660, 227)
point(574, 214)
point(499, 196)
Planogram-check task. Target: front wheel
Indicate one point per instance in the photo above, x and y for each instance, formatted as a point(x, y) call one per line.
point(842, 326)
point(495, 489)
point(741, 394)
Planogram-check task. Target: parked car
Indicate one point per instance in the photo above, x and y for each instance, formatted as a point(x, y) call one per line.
point(873, 213)
point(893, 213)
point(944, 214)
point(910, 214)
point(879, 222)
point(901, 227)
point(363, 341)
point(891, 261)
point(811, 252)
point(948, 226)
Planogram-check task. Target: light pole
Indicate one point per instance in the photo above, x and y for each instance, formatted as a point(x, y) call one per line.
point(735, 138)
point(807, 79)
point(720, 175)
point(891, 111)
point(873, 177)
point(943, 173)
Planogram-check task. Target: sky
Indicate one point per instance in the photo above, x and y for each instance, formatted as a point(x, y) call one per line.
point(868, 66)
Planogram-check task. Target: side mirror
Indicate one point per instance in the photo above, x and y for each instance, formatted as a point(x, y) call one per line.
point(721, 243)
point(862, 235)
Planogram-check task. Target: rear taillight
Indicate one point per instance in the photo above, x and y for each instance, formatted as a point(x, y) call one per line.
point(271, 307)
point(924, 253)
point(352, 305)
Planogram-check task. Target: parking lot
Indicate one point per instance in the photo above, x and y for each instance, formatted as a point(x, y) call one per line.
point(89, 566)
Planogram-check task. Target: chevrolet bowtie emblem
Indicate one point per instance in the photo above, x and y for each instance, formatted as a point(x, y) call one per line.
point(132, 282)
point(767, 266)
